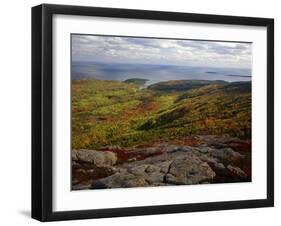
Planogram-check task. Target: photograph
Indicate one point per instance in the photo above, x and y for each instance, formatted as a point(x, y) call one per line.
point(145, 112)
point(149, 111)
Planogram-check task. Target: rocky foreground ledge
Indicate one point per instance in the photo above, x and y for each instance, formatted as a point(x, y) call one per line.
point(190, 160)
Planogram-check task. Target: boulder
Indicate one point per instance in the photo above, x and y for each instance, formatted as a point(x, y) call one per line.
point(154, 178)
point(219, 166)
point(137, 170)
point(227, 155)
point(164, 166)
point(204, 150)
point(237, 171)
point(117, 180)
point(189, 171)
point(208, 159)
point(82, 186)
point(152, 169)
point(135, 182)
point(74, 155)
point(98, 158)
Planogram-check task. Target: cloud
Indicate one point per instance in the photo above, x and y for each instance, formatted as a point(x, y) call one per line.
point(161, 51)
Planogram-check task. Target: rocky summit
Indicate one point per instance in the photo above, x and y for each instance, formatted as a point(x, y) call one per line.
point(190, 160)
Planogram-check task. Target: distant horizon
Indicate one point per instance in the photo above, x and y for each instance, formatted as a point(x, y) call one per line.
point(155, 64)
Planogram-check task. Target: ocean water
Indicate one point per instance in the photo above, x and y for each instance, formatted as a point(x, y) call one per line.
point(155, 73)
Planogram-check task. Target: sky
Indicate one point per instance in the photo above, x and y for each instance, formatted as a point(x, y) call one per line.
point(113, 49)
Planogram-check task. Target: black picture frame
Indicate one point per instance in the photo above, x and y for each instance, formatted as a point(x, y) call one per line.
point(42, 111)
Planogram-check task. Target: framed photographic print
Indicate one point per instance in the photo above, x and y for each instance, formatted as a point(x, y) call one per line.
point(145, 112)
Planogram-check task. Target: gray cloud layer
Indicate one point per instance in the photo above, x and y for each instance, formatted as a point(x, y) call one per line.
point(161, 51)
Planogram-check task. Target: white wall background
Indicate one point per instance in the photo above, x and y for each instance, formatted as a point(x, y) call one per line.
point(15, 113)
